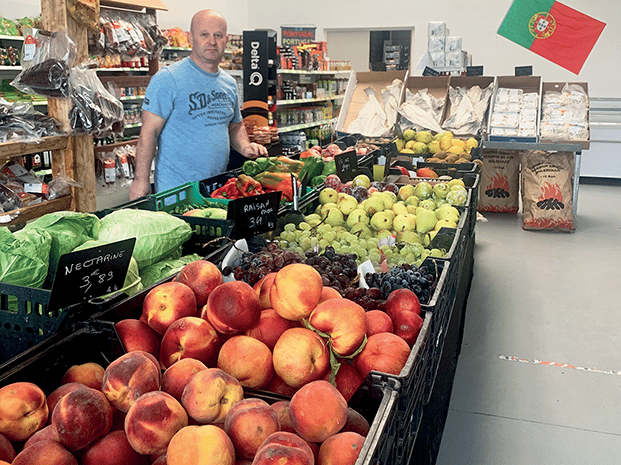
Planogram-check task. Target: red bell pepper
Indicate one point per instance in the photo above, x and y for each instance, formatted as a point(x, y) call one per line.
point(228, 191)
point(247, 186)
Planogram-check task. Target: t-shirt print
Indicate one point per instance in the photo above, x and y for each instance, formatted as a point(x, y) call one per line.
point(214, 107)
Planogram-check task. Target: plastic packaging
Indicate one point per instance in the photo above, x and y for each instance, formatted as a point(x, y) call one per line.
point(46, 61)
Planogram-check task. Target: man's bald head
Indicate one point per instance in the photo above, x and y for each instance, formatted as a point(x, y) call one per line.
point(206, 15)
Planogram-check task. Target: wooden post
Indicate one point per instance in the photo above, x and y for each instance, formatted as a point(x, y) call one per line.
point(78, 160)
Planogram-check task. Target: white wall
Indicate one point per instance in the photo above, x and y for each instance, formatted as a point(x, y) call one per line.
point(476, 22)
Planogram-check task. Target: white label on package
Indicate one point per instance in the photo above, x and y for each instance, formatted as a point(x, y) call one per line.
point(36, 188)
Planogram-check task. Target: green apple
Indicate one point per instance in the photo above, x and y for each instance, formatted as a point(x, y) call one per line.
point(400, 208)
point(447, 212)
point(440, 190)
point(328, 195)
point(457, 197)
point(424, 136)
point(357, 216)
point(406, 191)
point(405, 222)
point(361, 180)
point(334, 217)
point(381, 220)
point(413, 200)
point(425, 221)
point(427, 204)
point(409, 134)
point(373, 205)
point(346, 203)
point(423, 190)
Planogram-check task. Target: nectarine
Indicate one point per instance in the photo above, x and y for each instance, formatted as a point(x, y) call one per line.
point(23, 410)
point(296, 290)
point(189, 337)
point(263, 287)
point(300, 356)
point(384, 352)
point(248, 424)
point(284, 448)
point(137, 335)
point(210, 394)
point(248, 360)
point(113, 449)
point(45, 453)
point(341, 449)
point(90, 374)
point(232, 307)
point(166, 303)
point(344, 321)
point(205, 445)
point(270, 327)
point(178, 375)
point(202, 277)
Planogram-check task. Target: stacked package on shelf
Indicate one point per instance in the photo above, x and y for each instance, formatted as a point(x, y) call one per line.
point(445, 50)
point(565, 114)
point(515, 113)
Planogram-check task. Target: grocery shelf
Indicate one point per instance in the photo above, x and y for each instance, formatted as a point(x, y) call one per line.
point(19, 38)
point(302, 71)
point(171, 49)
point(14, 148)
point(132, 97)
point(297, 127)
point(308, 100)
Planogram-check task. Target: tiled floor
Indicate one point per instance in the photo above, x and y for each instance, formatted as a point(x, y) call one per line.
point(539, 376)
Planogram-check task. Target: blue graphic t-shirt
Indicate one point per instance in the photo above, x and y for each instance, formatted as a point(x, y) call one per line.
point(198, 107)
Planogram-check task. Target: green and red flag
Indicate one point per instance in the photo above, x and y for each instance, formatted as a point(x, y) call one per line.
point(552, 30)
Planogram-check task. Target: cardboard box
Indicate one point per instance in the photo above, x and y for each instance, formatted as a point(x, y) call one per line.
point(525, 84)
point(437, 86)
point(468, 82)
point(558, 87)
point(356, 98)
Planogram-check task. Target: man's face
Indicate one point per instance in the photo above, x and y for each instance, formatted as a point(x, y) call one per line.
point(209, 39)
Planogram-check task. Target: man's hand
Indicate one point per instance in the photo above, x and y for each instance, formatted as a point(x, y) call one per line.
point(139, 189)
point(254, 150)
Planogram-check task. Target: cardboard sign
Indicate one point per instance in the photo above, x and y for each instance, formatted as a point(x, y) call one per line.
point(524, 70)
point(254, 215)
point(346, 165)
point(474, 70)
point(89, 273)
point(430, 72)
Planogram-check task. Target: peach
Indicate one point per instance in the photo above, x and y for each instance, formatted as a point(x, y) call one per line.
point(328, 293)
point(402, 300)
point(408, 326)
point(189, 337)
point(296, 290)
point(270, 327)
point(178, 375)
point(356, 423)
point(232, 307)
point(284, 448)
point(317, 424)
point(263, 287)
point(7, 451)
point(202, 277)
point(45, 453)
point(166, 303)
point(130, 376)
point(248, 360)
point(384, 352)
point(99, 453)
point(59, 392)
point(210, 394)
point(248, 424)
point(23, 410)
point(281, 407)
point(347, 380)
point(90, 374)
point(378, 322)
point(207, 445)
point(344, 321)
point(278, 386)
point(137, 335)
point(47, 433)
point(300, 356)
point(341, 449)
point(152, 421)
point(81, 417)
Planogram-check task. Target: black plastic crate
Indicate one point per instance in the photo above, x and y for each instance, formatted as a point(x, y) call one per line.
point(26, 319)
point(46, 363)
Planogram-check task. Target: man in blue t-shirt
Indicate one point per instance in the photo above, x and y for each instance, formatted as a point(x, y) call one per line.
point(191, 115)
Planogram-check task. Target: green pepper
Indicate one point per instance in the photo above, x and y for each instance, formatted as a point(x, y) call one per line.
point(251, 168)
point(264, 163)
point(329, 168)
point(318, 180)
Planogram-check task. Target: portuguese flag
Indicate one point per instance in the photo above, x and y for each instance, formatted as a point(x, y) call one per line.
point(552, 30)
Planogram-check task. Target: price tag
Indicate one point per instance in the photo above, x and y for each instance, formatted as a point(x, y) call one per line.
point(346, 165)
point(89, 273)
point(430, 72)
point(474, 70)
point(254, 215)
point(524, 70)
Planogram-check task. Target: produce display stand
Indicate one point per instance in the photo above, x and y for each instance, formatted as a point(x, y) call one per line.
point(576, 149)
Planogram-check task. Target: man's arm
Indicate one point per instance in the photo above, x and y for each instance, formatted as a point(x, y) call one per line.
point(152, 125)
point(240, 142)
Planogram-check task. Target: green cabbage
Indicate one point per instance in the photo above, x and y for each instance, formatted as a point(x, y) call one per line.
point(24, 256)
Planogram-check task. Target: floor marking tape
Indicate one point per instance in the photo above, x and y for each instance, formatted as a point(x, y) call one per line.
point(512, 358)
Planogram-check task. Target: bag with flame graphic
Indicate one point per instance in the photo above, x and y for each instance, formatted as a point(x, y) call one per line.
point(547, 190)
point(500, 181)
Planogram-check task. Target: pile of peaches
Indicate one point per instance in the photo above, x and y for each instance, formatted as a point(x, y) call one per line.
point(179, 394)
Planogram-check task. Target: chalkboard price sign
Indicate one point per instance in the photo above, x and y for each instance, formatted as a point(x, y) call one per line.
point(346, 165)
point(89, 273)
point(254, 215)
point(474, 71)
point(430, 72)
point(524, 70)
